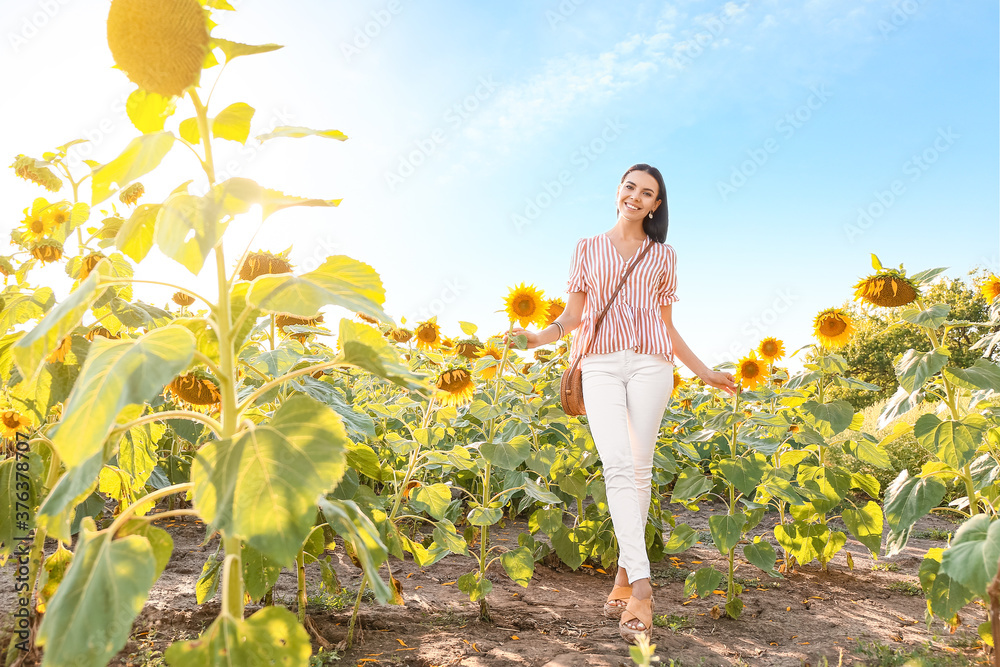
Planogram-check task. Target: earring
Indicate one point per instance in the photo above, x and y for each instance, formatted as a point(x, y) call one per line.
point(650, 215)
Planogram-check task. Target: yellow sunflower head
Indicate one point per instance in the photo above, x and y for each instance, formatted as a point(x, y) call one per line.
point(56, 214)
point(556, 307)
point(159, 44)
point(771, 349)
point(47, 251)
point(468, 348)
point(130, 196)
point(833, 328)
point(526, 305)
point(59, 354)
point(447, 343)
point(263, 263)
point(88, 263)
point(455, 387)
point(428, 335)
point(678, 382)
point(13, 422)
point(182, 298)
point(886, 289)
point(991, 288)
point(196, 388)
point(36, 226)
point(686, 403)
point(399, 334)
point(750, 371)
point(491, 349)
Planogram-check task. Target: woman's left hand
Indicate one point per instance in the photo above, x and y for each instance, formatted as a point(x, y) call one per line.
point(720, 380)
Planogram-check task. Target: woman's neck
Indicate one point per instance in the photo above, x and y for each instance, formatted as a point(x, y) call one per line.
point(627, 230)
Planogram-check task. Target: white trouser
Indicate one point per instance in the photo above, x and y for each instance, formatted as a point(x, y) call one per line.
point(626, 393)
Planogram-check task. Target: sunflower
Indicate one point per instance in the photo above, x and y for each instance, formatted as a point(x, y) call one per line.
point(27, 168)
point(833, 328)
point(400, 334)
point(56, 215)
point(159, 44)
point(182, 299)
point(59, 354)
point(47, 251)
point(88, 263)
point(455, 387)
point(686, 403)
point(263, 263)
point(771, 349)
point(468, 348)
point(366, 318)
point(12, 422)
point(794, 428)
point(491, 350)
point(447, 343)
point(886, 289)
point(282, 320)
point(750, 371)
point(778, 375)
point(678, 382)
point(556, 307)
point(526, 305)
point(195, 388)
point(36, 227)
point(100, 331)
point(428, 335)
point(991, 288)
point(131, 195)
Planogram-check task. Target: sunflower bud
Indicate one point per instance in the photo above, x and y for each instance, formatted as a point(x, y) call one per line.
point(263, 263)
point(131, 194)
point(182, 299)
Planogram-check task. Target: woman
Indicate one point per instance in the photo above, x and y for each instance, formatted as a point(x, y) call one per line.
point(628, 372)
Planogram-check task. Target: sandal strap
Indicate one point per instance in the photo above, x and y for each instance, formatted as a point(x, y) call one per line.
point(620, 593)
point(641, 610)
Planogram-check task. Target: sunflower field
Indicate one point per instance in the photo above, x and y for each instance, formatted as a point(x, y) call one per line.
point(397, 442)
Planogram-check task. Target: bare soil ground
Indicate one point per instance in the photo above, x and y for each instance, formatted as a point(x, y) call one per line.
point(557, 621)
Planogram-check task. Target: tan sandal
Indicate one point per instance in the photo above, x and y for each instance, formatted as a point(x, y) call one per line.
point(636, 609)
point(617, 593)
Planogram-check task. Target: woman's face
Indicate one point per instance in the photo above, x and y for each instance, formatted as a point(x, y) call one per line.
point(637, 195)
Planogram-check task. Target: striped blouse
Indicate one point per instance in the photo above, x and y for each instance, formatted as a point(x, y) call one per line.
point(634, 319)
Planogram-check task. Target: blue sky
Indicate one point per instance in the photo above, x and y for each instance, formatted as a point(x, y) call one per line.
point(774, 124)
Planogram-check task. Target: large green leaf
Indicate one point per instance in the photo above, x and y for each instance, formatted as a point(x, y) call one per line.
point(272, 636)
point(17, 477)
point(24, 304)
point(702, 582)
point(690, 485)
point(744, 473)
point(507, 455)
point(803, 541)
point(954, 442)
point(866, 525)
point(348, 521)
point(682, 538)
point(339, 281)
point(365, 347)
point(761, 554)
point(868, 452)
point(263, 483)
point(982, 374)
point(909, 498)
point(90, 617)
point(726, 530)
point(135, 236)
point(118, 373)
point(932, 317)
point(898, 405)
point(142, 155)
point(519, 565)
point(915, 368)
point(432, 498)
point(260, 573)
point(945, 596)
point(828, 419)
point(972, 557)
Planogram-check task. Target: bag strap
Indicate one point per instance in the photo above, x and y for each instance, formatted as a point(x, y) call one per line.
point(600, 318)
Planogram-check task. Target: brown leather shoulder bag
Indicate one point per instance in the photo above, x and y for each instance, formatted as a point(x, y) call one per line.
point(571, 384)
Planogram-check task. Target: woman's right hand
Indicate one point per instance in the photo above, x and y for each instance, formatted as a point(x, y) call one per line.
point(530, 335)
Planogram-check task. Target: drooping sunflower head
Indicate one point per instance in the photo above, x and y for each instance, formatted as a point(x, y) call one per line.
point(88, 263)
point(833, 328)
point(556, 307)
point(525, 304)
point(771, 349)
point(886, 289)
point(778, 375)
point(447, 343)
point(991, 288)
point(750, 371)
point(159, 44)
point(400, 334)
point(428, 335)
point(130, 196)
point(468, 348)
point(282, 320)
point(263, 263)
point(47, 251)
point(30, 170)
point(182, 298)
point(366, 318)
point(59, 354)
point(196, 388)
point(13, 422)
point(102, 332)
point(455, 387)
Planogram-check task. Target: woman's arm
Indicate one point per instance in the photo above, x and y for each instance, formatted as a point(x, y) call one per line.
point(684, 353)
point(570, 318)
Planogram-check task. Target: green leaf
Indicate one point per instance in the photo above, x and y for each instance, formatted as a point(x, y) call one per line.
point(507, 455)
point(829, 419)
point(982, 374)
point(347, 520)
point(137, 452)
point(260, 573)
point(868, 452)
point(475, 587)
point(364, 347)
point(909, 498)
point(540, 493)
point(866, 525)
point(954, 442)
point(972, 558)
point(433, 499)
point(932, 318)
point(914, 368)
point(272, 636)
point(519, 565)
point(263, 483)
point(208, 581)
point(945, 596)
point(898, 405)
point(726, 530)
point(690, 485)
point(702, 582)
point(734, 608)
point(118, 373)
point(189, 131)
point(13, 473)
point(575, 484)
point(90, 617)
point(340, 281)
point(762, 555)
point(568, 547)
point(682, 538)
point(159, 539)
point(233, 122)
point(236, 49)
point(835, 542)
point(803, 541)
point(299, 132)
point(149, 111)
point(546, 520)
point(484, 516)
point(142, 155)
point(447, 536)
point(744, 473)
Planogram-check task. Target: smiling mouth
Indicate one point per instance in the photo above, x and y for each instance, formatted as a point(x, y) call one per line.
point(631, 207)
